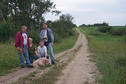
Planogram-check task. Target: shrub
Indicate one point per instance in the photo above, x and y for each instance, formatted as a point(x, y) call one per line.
point(121, 61)
point(35, 35)
point(96, 33)
point(105, 29)
point(7, 30)
point(4, 32)
point(118, 31)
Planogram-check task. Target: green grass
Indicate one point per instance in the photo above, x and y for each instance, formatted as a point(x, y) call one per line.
point(9, 57)
point(66, 43)
point(109, 55)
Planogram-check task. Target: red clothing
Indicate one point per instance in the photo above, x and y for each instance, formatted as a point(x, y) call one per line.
point(19, 40)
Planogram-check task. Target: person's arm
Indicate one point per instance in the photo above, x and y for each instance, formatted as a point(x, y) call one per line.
point(19, 48)
point(17, 40)
point(41, 35)
point(46, 52)
point(35, 51)
point(38, 52)
point(52, 37)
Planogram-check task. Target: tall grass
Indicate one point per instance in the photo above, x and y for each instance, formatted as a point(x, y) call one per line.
point(109, 55)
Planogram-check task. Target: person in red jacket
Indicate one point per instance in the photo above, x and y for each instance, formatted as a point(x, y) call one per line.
point(22, 44)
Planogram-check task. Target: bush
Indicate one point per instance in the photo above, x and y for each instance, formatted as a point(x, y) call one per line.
point(35, 35)
point(125, 38)
point(62, 29)
point(118, 31)
point(4, 32)
point(105, 29)
point(121, 61)
point(96, 33)
point(7, 30)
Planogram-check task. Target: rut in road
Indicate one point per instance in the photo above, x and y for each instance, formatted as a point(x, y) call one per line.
point(79, 70)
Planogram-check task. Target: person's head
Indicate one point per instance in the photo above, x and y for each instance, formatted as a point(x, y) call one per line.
point(41, 43)
point(30, 40)
point(45, 26)
point(24, 28)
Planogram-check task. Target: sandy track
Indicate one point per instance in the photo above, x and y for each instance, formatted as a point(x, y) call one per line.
point(79, 70)
point(21, 72)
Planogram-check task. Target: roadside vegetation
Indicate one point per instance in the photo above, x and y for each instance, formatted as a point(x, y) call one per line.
point(108, 45)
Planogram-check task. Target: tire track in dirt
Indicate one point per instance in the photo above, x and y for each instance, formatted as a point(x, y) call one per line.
point(79, 70)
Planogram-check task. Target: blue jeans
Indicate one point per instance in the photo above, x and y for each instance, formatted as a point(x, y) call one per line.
point(43, 55)
point(34, 57)
point(25, 55)
point(50, 48)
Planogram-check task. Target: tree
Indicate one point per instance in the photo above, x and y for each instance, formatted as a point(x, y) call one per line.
point(66, 17)
point(3, 10)
point(83, 25)
point(15, 13)
point(26, 12)
point(101, 24)
point(63, 26)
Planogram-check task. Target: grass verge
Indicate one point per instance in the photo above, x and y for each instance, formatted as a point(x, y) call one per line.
point(109, 55)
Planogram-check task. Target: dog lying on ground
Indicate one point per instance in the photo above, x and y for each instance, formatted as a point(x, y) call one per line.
point(41, 62)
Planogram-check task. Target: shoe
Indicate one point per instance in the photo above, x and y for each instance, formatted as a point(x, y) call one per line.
point(22, 66)
point(30, 66)
point(53, 63)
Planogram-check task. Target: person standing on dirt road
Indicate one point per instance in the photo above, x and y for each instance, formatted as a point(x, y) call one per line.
point(47, 36)
point(21, 44)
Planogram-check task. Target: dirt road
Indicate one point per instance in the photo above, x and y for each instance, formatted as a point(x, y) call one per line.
point(77, 72)
point(80, 69)
point(19, 72)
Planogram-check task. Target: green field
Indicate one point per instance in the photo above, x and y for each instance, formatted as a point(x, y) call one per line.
point(9, 57)
point(109, 53)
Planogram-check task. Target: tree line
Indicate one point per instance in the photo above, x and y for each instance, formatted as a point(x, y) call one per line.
point(15, 13)
point(93, 25)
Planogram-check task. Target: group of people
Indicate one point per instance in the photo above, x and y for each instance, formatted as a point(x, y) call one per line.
point(25, 47)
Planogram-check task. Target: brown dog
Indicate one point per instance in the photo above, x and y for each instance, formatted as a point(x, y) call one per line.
point(41, 62)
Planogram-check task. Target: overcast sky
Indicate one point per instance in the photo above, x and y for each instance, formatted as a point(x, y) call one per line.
point(92, 11)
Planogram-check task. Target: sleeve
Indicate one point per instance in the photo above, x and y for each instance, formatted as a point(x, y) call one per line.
point(38, 50)
point(41, 35)
point(16, 40)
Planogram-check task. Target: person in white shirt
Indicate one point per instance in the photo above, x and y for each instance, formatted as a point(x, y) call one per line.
point(25, 38)
point(42, 50)
point(21, 44)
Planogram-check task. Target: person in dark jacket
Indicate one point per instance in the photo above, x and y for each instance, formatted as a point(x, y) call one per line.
point(33, 55)
point(47, 36)
point(21, 44)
